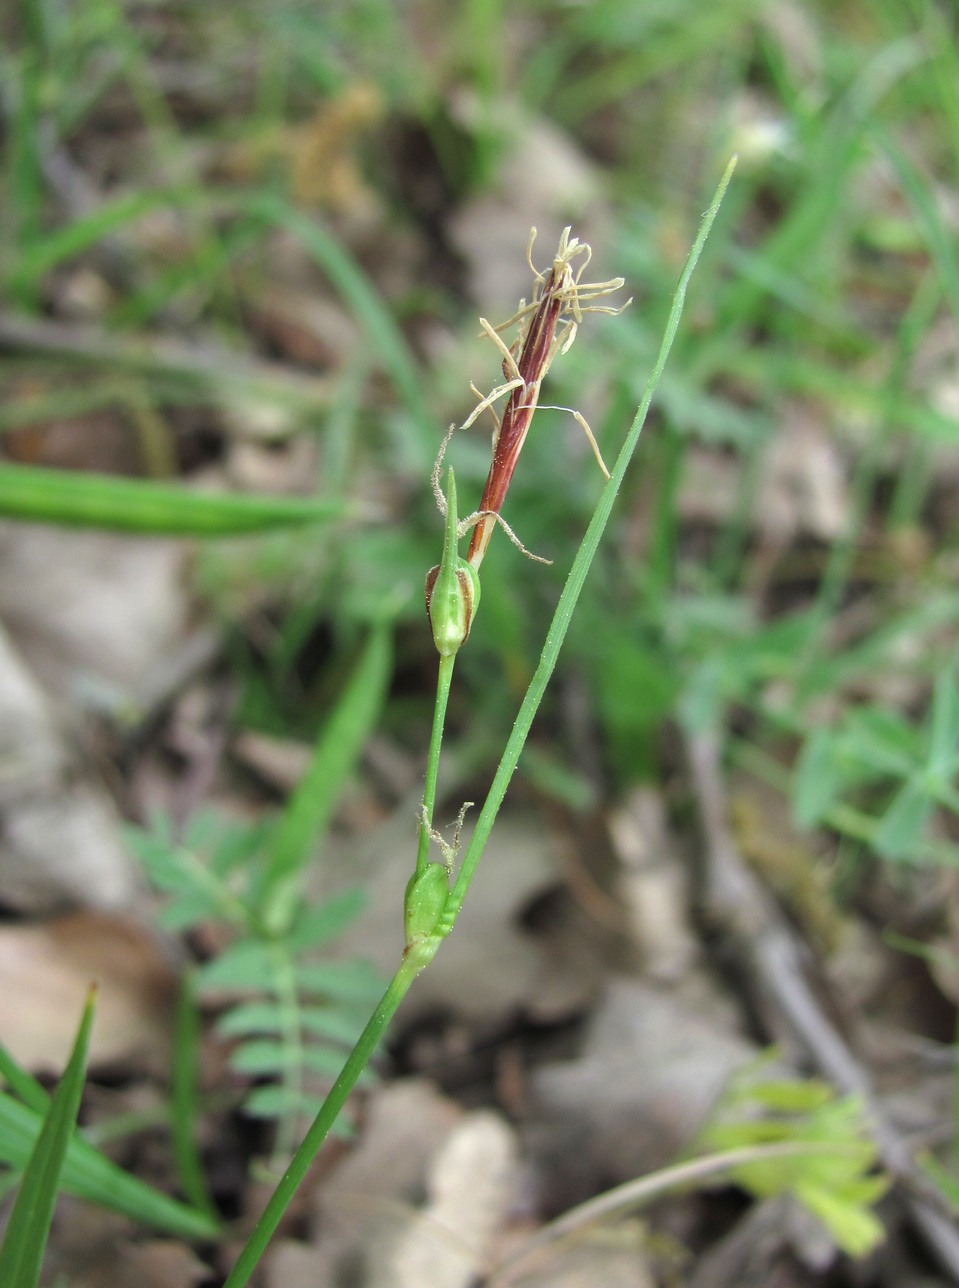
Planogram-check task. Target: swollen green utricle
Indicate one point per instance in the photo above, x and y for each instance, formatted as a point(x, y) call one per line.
point(425, 903)
point(452, 588)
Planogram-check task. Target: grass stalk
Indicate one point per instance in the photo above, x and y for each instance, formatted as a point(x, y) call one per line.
point(418, 955)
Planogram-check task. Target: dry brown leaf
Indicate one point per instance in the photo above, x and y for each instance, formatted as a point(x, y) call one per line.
point(62, 847)
point(610, 1258)
point(32, 755)
point(419, 1200)
point(94, 1248)
point(470, 1185)
point(803, 489)
point(45, 971)
point(784, 858)
point(281, 762)
point(96, 614)
point(301, 325)
point(59, 839)
point(371, 1195)
point(98, 441)
point(710, 484)
point(653, 1064)
point(290, 1263)
point(288, 467)
point(321, 152)
point(158, 1264)
point(653, 883)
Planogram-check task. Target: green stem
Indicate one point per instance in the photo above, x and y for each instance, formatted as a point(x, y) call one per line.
point(443, 681)
point(576, 579)
point(291, 1037)
point(183, 1097)
point(419, 954)
point(300, 1164)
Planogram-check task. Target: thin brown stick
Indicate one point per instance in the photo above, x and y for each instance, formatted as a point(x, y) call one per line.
point(225, 374)
point(635, 1193)
point(775, 962)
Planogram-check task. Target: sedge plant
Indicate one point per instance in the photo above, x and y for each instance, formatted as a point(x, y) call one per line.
point(437, 888)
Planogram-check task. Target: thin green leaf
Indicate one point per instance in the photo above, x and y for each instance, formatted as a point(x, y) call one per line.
point(267, 1018)
point(262, 1056)
point(183, 1096)
point(307, 813)
point(921, 195)
point(279, 1101)
point(794, 1095)
point(816, 785)
point(879, 741)
point(83, 233)
point(240, 844)
point(944, 731)
point(189, 911)
point(343, 981)
point(78, 499)
point(204, 830)
point(323, 1059)
point(247, 963)
point(947, 1182)
point(21, 1256)
point(197, 893)
point(88, 1175)
point(336, 1025)
point(578, 573)
point(251, 1017)
point(900, 830)
point(22, 1083)
point(854, 1228)
point(317, 926)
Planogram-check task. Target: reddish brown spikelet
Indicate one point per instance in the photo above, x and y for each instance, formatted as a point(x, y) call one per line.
point(547, 324)
point(518, 415)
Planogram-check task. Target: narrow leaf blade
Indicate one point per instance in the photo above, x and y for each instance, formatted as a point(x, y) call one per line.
point(88, 1175)
point(75, 499)
point(21, 1256)
point(335, 753)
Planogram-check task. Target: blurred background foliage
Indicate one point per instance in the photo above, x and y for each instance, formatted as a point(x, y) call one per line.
point(244, 247)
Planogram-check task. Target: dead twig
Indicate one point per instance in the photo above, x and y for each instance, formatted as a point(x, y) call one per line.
point(227, 376)
point(775, 960)
point(629, 1197)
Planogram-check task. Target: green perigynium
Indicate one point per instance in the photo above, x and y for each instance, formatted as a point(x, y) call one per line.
point(424, 903)
point(452, 587)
